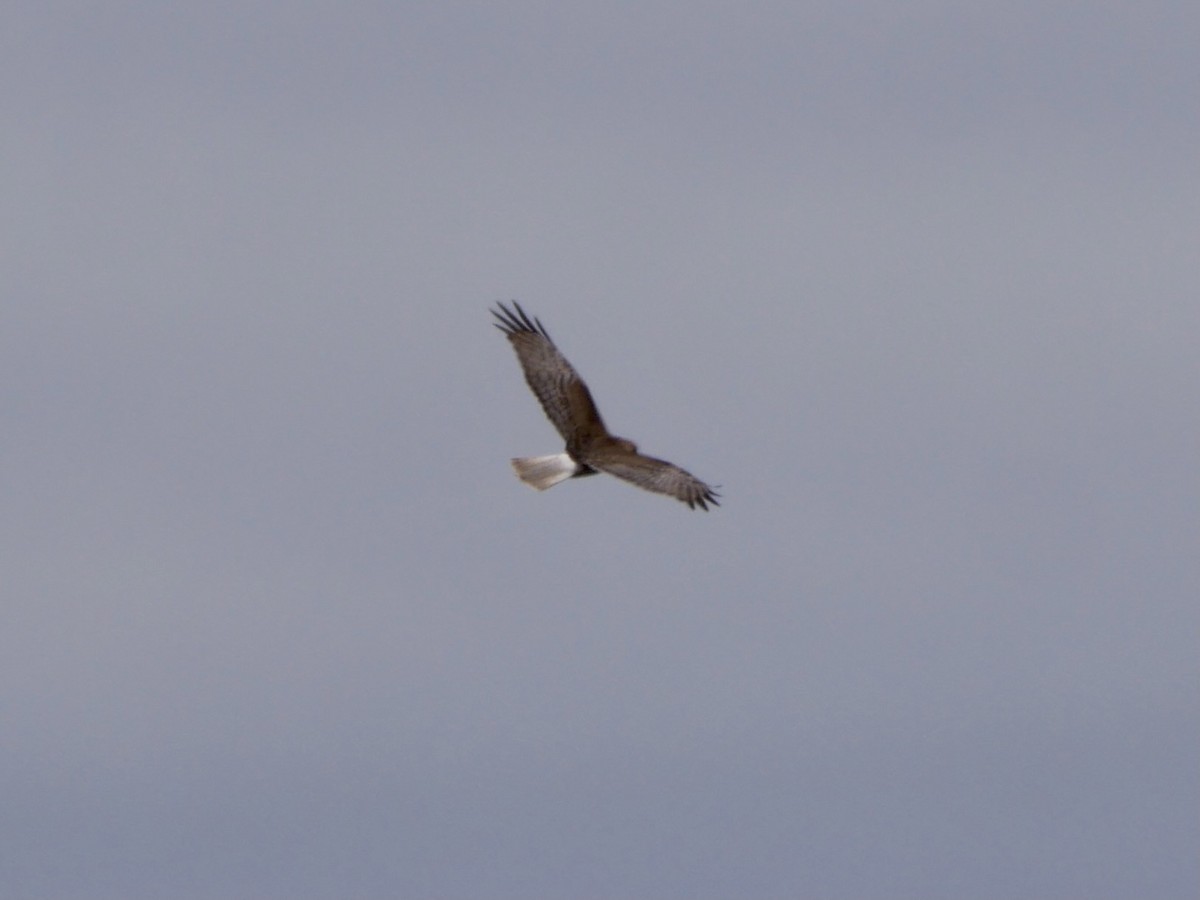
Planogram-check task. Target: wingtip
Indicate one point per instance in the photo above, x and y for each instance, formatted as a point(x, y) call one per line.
point(506, 320)
point(516, 320)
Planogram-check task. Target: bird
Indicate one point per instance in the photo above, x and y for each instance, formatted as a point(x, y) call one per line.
point(568, 404)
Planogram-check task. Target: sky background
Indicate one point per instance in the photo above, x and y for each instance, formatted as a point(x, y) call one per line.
point(915, 283)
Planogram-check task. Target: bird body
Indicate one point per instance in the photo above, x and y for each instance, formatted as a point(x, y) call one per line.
point(568, 404)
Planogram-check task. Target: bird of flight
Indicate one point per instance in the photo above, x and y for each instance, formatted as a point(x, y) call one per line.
point(569, 405)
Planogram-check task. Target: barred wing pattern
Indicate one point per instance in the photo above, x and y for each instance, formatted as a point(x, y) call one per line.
point(656, 475)
point(563, 395)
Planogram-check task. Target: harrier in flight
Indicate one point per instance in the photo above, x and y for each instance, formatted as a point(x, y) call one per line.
point(569, 405)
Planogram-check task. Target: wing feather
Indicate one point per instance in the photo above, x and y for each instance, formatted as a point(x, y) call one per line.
point(652, 474)
point(559, 389)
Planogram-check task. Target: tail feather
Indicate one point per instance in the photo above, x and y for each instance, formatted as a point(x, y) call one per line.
point(543, 472)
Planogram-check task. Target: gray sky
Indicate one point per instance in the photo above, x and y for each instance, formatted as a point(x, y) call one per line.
point(916, 283)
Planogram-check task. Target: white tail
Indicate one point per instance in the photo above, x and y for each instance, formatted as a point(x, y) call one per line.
point(543, 472)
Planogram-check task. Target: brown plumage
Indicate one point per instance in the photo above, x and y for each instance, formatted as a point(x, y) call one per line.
point(569, 405)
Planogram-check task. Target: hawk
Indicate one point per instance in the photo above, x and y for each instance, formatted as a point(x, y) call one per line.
point(569, 405)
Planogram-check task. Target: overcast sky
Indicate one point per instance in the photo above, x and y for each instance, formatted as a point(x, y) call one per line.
point(916, 283)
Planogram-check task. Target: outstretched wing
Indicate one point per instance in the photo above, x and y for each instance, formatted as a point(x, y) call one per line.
point(656, 475)
point(556, 384)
